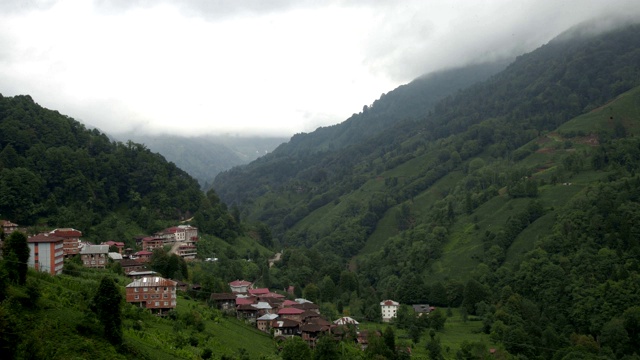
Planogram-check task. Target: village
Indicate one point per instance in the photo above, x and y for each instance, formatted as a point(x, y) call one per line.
point(272, 312)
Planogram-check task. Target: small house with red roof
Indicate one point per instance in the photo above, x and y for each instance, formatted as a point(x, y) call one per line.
point(240, 286)
point(264, 322)
point(114, 244)
point(291, 313)
point(143, 255)
point(46, 253)
point(258, 291)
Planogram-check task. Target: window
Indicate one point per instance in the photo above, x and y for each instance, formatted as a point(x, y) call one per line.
point(165, 296)
point(145, 289)
point(146, 296)
point(166, 303)
point(157, 303)
point(135, 289)
point(136, 297)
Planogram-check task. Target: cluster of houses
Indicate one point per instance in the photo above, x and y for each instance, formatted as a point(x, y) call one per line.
point(273, 313)
point(49, 249)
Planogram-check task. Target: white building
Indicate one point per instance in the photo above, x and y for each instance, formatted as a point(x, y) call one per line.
point(389, 309)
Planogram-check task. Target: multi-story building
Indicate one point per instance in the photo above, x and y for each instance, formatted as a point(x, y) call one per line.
point(154, 293)
point(46, 253)
point(94, 256)
point(71, 240)
point(389, 310)
point(180, 233)
point(8, 227)
point(152, 242)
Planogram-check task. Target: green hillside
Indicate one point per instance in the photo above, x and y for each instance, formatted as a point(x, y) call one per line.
point(514, 198)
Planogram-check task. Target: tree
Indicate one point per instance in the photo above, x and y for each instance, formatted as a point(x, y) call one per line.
point(390, 338)
point(326, 349)
point(107, 304)
point(434, 348)
point(311, 292)
point(295, 349)
point(15, 256)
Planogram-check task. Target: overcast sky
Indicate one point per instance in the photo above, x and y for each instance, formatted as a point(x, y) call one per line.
point(255, 67)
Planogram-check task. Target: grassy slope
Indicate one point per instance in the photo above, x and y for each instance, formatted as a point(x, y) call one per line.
point(458, 260)
point(64, 304)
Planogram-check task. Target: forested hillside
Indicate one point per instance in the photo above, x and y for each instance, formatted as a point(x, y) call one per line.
point(56, 173)
point(514, 198)
point(204, 157)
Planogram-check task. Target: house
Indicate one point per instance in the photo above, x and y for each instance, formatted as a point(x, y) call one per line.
point(240, 286)
point(8, 227)
point(180, 233)
point(421, 309)
point(71, 240)
point(115, 256)
point(247, 312)
point(307, 306)
point(187, 252)
point(135, 275)
point(389, 310)
point(114, 244)
point(94, 256)
point(258, 292)
point(143, 255)
point(264, 322)
point(131, 265)
point(291, 313)
point(46, 253)
point(149, 243)
point(310, 333)
point(154, 293)
point(263, 308)
point(225, 302)
point(285, 328)
point(345, 320)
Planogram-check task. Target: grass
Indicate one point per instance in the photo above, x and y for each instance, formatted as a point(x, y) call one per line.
point(455, 332)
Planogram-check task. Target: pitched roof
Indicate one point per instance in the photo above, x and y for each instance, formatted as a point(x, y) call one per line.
point(290, 311)
point(44, 238)
point(244, 301)
point(346, 320)
point(268, 317)
point(66, 232)
point(94, 249)
point(306, 306)
point(240, 283)
point(259, 291)
point(284, 323)
point(389, 303)
point(288, 303)
point(152, 281)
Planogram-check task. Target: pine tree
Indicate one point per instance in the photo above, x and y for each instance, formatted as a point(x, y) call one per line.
point(107, 304)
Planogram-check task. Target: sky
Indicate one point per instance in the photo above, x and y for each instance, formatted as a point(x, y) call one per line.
point(255, 67)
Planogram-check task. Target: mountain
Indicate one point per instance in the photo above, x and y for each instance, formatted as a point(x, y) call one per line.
point(514, 198)
point(203, 157)
point(54, 172)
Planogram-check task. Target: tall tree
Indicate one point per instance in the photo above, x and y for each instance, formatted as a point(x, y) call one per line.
point(107, 304)
point(15, 256)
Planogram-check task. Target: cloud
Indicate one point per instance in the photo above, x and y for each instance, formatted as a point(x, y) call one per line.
point(258, 67)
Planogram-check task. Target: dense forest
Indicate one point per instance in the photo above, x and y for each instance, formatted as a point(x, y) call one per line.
point(502, 199)
point(56, 173)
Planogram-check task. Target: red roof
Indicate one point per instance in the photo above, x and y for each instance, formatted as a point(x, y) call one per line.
point(259, 291)
point(289, 303)
point(143, 252)
point(67, 232)
point(113, 243)
point(244, 301)
point(239, 283)
point(290, 311)
point(44, 238)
